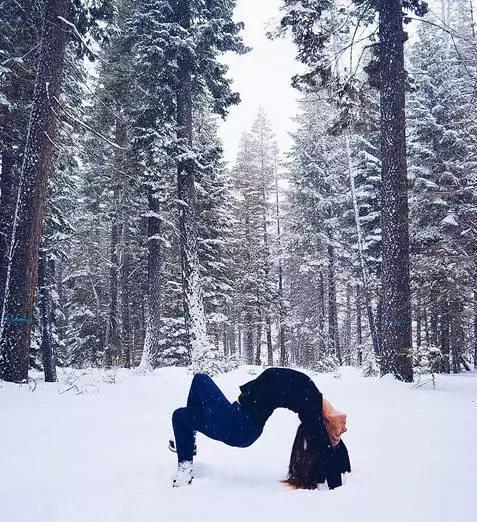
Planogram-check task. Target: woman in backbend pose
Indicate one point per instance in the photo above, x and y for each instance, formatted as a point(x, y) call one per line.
point(318, 452)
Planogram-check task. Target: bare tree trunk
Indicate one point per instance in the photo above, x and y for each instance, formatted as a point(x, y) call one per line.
point(475, 329)
point(334, 346)
point(397, 327)
point(434, 318)
point(269, 341)
point(321, 314)
point(240, 341)
point(232, 339)
point(22, 274)
point(347, 330)
point(281, 308)
point(248, 344)
point(154, 291)
point(258, 350)
point(8, 197)
point(359, 327)
point(472, 21)
point(47, 344)
point(125, 260)
point(194, 315)
point(445, 344)
point(418, 324)
point(426, 326)
point(457, 334)
point(362, 262)
point(113, 335)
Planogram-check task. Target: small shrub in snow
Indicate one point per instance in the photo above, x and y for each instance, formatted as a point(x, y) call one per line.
point(428, 361)
point(370, 367)
point(327, 363)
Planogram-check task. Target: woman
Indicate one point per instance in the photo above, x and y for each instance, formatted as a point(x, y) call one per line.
point(318, 452)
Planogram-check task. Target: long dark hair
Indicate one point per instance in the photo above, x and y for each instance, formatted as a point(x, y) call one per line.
point(306, 469)
point(313, 461)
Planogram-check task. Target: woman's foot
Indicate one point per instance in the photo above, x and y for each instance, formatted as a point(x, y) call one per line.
point(183, 476)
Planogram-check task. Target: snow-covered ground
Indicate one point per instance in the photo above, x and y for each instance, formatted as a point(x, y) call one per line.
point(91, 450)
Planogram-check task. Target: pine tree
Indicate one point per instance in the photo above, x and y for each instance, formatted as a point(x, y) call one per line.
point(16, 318)
point(183, 40)
point(19, 38)
point(387, 72)
point(442, 141)
point(257, 285)
point(318, 199)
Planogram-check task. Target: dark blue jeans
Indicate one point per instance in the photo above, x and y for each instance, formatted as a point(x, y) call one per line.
point(209, 412)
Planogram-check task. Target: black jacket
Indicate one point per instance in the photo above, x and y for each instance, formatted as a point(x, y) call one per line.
point(286, 388)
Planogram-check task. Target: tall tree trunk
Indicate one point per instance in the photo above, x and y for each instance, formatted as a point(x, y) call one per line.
point(240, 341)
point(445, 341)
point(47, 343)
point(194, 314)
point(397, 331)
point(154, 291)
point(258, 350)
point(347, 329)
point(232, 337)
point(359, 327)
point(125, 261)
point(362, 262)
point(225, 342)
point(426, 326)
point(434, 318)
point(281, 307)
point(248, 341)
point(475, 329)
point(321, 314)
point(418, 324)
point(457, 333)
point(269, 341)
point(379, 321)
point(16, 317)
point(8, 197)
point(334, 346)
point(266, 297)
point(472, 20)
point(113, 334)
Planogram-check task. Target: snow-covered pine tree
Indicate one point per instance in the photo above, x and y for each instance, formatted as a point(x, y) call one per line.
point(16, 314)
point(318, 196)
point(313, 27)
point(247, 236)
point(215, 230)
point(181, 41)
point(21, 25)
point(256, 284)
point(442, 148)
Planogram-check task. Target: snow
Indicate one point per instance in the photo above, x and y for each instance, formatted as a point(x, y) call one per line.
point(450, 219)
point(93, 448)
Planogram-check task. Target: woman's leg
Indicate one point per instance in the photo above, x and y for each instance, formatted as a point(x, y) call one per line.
point(205, 394)
point(204, 404)
point(186, 421)
point(209, 412)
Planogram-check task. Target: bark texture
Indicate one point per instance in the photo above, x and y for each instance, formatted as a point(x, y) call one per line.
point(16, 317)
point(396, 313)
point(194, 314)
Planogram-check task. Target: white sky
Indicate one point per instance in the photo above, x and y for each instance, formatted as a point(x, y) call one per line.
point(262, 77)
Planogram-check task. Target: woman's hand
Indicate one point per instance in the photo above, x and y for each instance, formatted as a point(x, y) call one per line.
point(335, 423)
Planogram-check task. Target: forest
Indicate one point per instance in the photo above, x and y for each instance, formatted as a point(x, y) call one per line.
point(128, 241)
